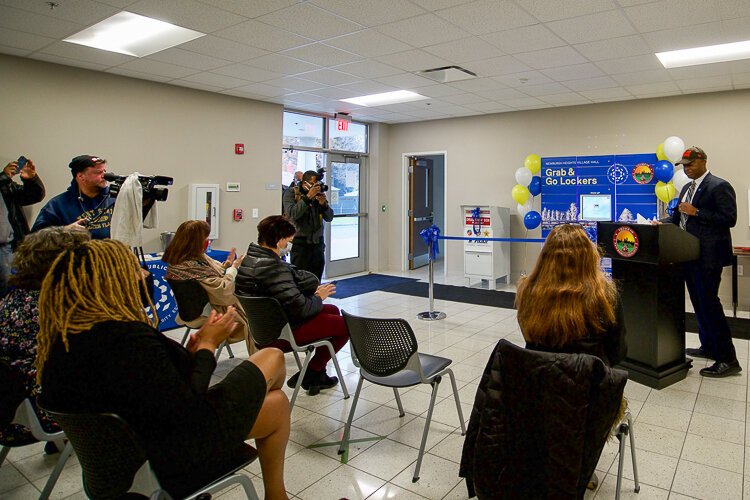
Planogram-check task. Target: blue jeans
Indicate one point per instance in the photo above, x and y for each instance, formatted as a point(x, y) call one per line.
point(6, 255)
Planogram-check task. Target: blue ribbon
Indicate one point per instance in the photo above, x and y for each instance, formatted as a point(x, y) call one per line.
point(476, 215)
point(430, 236)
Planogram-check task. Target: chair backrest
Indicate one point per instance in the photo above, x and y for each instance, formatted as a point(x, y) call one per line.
point(382, 346)
point(109, 451)
point(191, 298)
point(266, 319)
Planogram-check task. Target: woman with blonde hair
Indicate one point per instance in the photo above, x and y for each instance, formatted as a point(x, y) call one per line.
point(567, 304)
point(187, 260)
point(100, 353)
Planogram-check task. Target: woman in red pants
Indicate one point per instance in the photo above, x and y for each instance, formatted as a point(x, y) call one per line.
point(264, 273)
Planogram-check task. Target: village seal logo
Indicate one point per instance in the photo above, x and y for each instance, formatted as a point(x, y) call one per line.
point(643, 173)
point(625, 241)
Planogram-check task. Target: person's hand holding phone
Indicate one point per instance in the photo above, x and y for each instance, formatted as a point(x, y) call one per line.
point(28, 169)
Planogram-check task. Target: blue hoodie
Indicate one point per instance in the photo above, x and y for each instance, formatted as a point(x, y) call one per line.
point(67, 207)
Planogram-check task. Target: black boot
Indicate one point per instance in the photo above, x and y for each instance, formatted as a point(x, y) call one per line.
point(314, 381)
point(292, 382)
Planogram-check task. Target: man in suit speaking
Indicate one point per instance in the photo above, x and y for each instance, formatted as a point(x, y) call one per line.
point(707, 210)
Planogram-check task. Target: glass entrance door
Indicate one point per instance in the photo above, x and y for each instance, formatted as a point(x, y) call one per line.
point(346, 245)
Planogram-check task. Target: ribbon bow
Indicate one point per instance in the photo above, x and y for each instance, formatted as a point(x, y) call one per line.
point(430, 236)
point(476, 215)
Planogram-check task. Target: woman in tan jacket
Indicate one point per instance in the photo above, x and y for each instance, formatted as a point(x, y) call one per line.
point(187, 260)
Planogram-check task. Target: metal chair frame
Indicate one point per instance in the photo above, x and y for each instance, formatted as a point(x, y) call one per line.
point(625, 428)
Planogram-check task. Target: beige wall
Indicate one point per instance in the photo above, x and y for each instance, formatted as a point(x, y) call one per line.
point(484, 152)
point(52, 113)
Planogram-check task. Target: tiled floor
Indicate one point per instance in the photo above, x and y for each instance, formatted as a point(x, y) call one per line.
point(690, 438)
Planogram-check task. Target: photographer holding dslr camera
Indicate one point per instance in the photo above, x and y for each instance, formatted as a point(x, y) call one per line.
point(307, 206)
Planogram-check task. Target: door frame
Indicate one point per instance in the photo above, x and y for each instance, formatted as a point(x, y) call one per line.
point(405, 206)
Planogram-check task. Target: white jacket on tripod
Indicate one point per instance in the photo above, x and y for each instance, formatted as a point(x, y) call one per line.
point(127, 218)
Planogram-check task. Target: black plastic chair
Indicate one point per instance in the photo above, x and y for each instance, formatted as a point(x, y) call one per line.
point(115, 463)
point(268, 323)
point(192, 304)
point(386, 351)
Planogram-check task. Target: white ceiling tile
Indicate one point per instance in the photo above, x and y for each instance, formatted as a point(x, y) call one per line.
point(477, 84)
point(336, 93)
point(188, 59)
point(439, 90)
point(648, 89)
point(652, 76)
point(12, 51)
point(281, 64)
point(37, 24)
point(612, 93)
point(369, 13)
point(368, 88)
point(496, 66)
point(454, 110)
point(262, 36)
point(565, 99)
point(630, 64)
point(706, 90)
point(703, 70)
point(523, 103)
point(138, 74)
point(667, 14)
point(187, 13)
point(294, 84)
point(439, 4)
point(730, 9)
point(158, 68)
point(250, 9)
point(244, 95)
point(525, 39)
point(630, 3)
point(20, 40)
point(87, 54)
point(322, 55)
point(413, 60)
point(462, 99)
point(489, 107)
point(261, 89)
point(329, 77)
point(427, 113)
point(613, 48)
point(711, 82)
point(742, 66)
point(86, 12)
point(222, 48)
point(735, 30)
point(551, 58)
point(741, 80)
point(246, 72)
point(465, 49)
point(214, 80)
point(405, 81)
point(487, 16)
point(573, 72)
point(544, 89)
point(424, 30)
point(551, 10)
point(303, 97)
point(368, 43)
point(368, 69)
point(683, 38)
point(601, 82)
point(502, 94)
point(78, 63)
point(523, 79)
point(310, 21)
point(600, 26)
point(196, 85)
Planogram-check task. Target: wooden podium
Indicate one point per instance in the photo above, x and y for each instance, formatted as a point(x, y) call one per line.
point(646, 265)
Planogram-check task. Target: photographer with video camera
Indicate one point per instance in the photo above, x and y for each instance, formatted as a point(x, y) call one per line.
point(86, 204)
point(306, 204)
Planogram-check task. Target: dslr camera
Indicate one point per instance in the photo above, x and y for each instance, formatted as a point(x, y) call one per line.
point(149, 184)
point(320, 182)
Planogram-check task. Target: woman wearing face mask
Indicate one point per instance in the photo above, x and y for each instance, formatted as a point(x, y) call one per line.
point(264, 273)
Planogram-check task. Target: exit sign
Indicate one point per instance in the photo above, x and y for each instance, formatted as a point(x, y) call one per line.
point(342, 125)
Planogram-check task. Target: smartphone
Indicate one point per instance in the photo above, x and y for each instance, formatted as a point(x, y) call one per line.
point(21, 162)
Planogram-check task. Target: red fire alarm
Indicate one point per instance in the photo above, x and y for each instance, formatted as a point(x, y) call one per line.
point(239, 149)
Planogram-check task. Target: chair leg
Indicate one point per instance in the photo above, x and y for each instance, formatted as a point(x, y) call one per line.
point(338, 369)
point(221, 348)
point(398, 402)
point(247, 485)
point(458, 403)
point(229, 350)
point(344, 446)
point(632, 453)
point(302, 372)
point(185, 337)
point(296, 358)
point(4, 453)
point(56, 472)
point(435, 384)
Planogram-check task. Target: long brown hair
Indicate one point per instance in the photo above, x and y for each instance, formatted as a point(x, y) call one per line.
point(94, 282)
point(187, 243)
point(566, 296)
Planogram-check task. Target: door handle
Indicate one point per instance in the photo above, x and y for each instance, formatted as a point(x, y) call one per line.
point(422, 219)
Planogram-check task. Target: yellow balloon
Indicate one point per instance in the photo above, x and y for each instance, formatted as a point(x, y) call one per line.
point(660, 152)
point(664, 191)
point(533, 163)
point(520, 194)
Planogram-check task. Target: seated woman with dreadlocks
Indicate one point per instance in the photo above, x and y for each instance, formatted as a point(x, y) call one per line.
point(100, 353)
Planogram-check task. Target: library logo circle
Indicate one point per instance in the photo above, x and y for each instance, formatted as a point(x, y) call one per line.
point(625, 241)
point(617, 174)
point(643, 173)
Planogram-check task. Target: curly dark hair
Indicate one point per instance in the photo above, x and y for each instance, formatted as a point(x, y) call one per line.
point(36, 253)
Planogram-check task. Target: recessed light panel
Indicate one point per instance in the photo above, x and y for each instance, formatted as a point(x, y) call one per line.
point(395, 97)
point(133, 35)
point(705, 55)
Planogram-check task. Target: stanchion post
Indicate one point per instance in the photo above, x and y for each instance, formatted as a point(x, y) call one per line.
point(430, 315)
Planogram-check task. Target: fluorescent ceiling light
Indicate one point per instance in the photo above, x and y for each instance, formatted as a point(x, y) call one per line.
point(133, 35)
point(395, 97)
point(705, 55)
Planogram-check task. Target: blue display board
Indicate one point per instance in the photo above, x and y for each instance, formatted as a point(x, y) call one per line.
point(587, 189)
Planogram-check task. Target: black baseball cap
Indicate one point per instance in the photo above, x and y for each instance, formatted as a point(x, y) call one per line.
point(691, 154)
point(82, 162)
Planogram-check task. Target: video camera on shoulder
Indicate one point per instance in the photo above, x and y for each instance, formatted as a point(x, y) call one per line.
point(149, 183)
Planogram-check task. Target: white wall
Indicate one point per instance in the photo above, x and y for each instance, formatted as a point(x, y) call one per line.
point(52, 113)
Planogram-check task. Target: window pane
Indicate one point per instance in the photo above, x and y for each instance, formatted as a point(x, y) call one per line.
point(292, 161)
point(353, 137)
point(344, 188)
point(302, 130)
point(344, 238)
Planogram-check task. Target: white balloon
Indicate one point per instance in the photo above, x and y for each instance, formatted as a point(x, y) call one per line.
point(524, 175)
point(680, 180)
point(525, 208)
point(673, 148)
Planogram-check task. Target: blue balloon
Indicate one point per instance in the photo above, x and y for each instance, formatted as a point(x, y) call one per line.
point(672, 205)
point(535, 186)
point(532, 219)
point(663, 170)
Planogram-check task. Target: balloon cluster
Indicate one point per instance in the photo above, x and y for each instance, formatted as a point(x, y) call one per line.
point(529, 185)
point(671, 179)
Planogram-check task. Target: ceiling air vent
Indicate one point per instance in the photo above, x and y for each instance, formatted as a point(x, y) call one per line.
point(448, 74)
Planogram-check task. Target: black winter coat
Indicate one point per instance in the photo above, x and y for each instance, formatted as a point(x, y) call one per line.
point(263, 274)
point(16, 196)
point(539, 423)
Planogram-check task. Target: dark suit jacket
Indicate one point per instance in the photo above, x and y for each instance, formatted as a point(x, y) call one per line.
point(717, 212)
